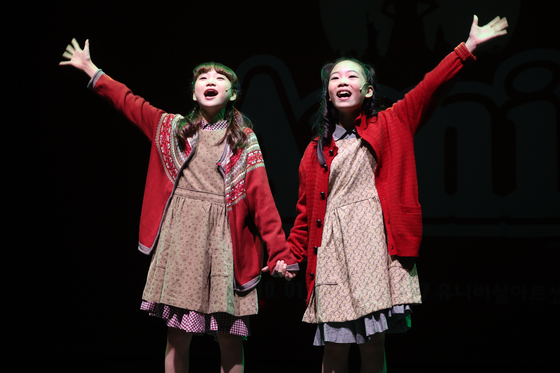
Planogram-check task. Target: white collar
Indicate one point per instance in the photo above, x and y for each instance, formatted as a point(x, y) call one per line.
point(341, 133)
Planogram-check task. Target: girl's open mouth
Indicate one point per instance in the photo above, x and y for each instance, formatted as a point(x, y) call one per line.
point(210, 93)
point(343, 94)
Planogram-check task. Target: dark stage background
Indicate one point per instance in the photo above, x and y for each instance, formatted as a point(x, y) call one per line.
point(488, 167)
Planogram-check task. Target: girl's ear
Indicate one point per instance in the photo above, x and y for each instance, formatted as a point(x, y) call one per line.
point(233, 96)
point(369, 92)
point(193, 97)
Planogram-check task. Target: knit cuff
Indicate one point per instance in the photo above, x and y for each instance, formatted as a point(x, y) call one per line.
point(94, 79)
point(464, 53)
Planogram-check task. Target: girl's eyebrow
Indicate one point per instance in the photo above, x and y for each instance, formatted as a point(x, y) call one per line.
point(352, 71)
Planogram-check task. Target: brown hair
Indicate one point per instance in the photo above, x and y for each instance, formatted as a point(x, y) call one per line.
point(191, 123)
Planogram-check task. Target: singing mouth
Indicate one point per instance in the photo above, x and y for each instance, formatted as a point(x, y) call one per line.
point(210, 93)
point(343, 94)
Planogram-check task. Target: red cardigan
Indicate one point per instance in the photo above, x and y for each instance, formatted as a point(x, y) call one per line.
point(249, 202)
point(391, 135)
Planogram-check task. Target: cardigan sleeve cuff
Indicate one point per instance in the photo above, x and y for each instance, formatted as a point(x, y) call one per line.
point(464, 53)
point(94, 79)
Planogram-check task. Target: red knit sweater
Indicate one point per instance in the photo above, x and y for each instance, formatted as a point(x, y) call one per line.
point(391, 135)
point(250, 205)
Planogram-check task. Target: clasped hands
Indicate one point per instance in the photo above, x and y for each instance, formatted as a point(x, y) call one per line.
point(281, 270)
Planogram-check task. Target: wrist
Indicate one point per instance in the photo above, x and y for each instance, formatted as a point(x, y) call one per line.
point(471, 45)
point(90, 69)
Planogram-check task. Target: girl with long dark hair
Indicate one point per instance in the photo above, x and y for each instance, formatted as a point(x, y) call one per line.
point(359, 223)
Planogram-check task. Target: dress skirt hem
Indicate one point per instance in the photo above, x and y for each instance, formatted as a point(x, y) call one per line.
point(394, 320)
point(199, 323)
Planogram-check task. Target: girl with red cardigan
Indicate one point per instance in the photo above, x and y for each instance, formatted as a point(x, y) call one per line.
point(359, 223)
point(207, 198)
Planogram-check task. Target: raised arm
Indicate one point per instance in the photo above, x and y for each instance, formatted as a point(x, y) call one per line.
point(79, 58)
point(417, 106)
point(135, 108)
point(478, 35)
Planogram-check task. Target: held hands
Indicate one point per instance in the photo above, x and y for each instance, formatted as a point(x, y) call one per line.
point(478, 35)
point(79, 58)
point(281, 270)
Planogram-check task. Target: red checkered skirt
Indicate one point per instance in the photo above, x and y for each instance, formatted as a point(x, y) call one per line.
point(199, 323)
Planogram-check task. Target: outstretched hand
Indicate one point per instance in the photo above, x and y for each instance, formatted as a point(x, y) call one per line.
point(478, 35)
point(79, 58)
